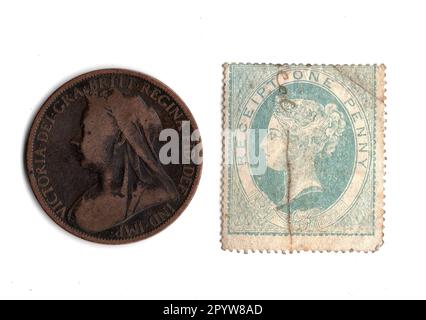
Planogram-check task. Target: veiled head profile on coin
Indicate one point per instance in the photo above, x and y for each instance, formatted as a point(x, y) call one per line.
point(100, 156)
point(119, 142)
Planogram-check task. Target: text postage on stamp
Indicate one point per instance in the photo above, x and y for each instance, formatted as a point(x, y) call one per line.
point(303, 163)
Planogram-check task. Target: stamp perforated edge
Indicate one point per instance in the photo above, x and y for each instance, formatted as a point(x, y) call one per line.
point(244, 243)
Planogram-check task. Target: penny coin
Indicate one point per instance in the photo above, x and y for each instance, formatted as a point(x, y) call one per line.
point(114, 156)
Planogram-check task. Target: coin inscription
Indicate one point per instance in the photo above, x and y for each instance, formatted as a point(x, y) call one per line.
point(99, 156)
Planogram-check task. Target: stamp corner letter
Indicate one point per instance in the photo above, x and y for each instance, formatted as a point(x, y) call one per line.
point(303, 157)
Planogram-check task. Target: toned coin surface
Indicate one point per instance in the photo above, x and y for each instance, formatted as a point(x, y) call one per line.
point(114, 156)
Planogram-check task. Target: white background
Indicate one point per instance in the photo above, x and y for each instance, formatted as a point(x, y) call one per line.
point(184, 43)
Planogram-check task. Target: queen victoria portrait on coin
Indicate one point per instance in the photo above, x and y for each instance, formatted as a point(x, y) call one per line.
point(96, 159)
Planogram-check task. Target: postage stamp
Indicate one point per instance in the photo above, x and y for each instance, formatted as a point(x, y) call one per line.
point(303, 157)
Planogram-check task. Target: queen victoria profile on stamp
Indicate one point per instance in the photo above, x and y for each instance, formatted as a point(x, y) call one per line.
point(303, 164)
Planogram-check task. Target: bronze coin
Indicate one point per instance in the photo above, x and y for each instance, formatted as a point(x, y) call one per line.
point(114, 156)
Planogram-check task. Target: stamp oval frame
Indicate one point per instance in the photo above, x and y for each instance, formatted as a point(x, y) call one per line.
point(359, 176)
point(34, 126)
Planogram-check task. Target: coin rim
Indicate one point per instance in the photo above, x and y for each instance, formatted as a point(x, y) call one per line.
point(29, 155)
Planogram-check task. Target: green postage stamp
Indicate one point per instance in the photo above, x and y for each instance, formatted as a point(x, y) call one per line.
point(303, 158)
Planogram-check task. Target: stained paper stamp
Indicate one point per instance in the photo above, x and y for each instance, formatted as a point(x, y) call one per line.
point(303, 164)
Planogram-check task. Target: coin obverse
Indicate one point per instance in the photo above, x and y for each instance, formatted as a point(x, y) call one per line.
point(114, 156)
